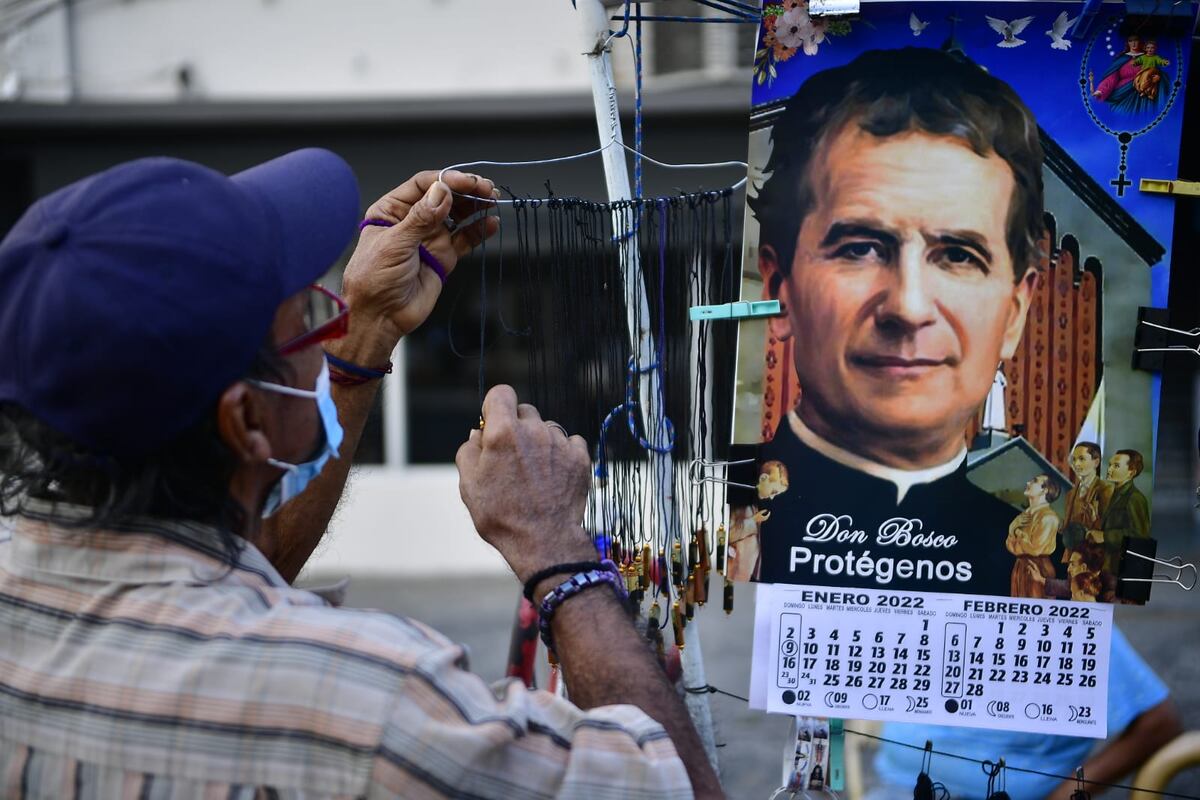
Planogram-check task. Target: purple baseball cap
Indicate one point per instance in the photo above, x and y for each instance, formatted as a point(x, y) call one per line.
point(131, 299)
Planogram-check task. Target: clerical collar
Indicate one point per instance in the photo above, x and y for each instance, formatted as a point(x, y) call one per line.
point(903, 479)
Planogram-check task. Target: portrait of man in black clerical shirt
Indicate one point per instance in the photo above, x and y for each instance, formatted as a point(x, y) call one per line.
point(900, 225)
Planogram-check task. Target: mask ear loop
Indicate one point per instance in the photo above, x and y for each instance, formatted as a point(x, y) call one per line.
point(291, 391)
point(274, 462)
point(279, 388)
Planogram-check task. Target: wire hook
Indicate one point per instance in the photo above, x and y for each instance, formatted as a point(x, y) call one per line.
point(1172, 348)
point(697, 477)
point(1176, 563)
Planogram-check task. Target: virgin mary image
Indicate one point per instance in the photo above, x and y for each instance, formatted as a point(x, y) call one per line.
point(1132, 82)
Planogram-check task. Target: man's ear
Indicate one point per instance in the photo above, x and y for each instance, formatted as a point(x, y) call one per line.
point(240, 416)
point(773, 279)
point(1021, 298)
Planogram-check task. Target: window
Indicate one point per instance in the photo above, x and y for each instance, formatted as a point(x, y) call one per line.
point(16, 176)
point(680, 47)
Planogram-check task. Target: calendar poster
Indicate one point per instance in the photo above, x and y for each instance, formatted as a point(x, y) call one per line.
point(941, 198)
point(1017, 664)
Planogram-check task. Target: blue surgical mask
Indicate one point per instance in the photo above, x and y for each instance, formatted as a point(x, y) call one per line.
point(298, 476)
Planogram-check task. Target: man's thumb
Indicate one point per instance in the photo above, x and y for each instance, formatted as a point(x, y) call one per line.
point(424, 217)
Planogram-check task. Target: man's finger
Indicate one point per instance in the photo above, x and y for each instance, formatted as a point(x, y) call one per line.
point(528, 413)
point(424, 221)
point(467, 456)
point(394, 205)
point(467, 239)
point(499, 411)
point(468, 183)
point(472, 194)
point(579, 446)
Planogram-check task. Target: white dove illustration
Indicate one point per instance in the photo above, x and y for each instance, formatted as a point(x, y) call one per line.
point(916, 24)
point(1058, 31)
point(1009, 30)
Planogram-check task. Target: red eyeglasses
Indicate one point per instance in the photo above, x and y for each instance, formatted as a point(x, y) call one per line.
point(326, 316)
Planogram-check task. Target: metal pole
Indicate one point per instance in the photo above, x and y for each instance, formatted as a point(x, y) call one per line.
point(608, 122)
point(395, 409)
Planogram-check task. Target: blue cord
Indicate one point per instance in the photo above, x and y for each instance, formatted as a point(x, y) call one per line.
point(630, 409)
point(637, 103)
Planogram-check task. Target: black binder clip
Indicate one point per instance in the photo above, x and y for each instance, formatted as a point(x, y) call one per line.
point(1138, 562)
point(1155, 339)
point(698, 472)
point(741, 476)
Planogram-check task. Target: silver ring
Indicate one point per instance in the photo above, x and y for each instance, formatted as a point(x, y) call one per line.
point(556, 426)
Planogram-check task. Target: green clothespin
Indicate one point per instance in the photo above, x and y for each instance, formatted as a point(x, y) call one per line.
point(837, 755)
point(753, 309)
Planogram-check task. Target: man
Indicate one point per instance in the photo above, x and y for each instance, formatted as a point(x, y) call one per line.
point(1128, 512)
point(1032, 537)
point(1087, 503)
point(900, 231)
point(1088, 499)
point(163, 387)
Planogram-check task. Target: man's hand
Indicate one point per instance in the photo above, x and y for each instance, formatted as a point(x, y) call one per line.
point(1148, 732)
point(390, 293)
point(526, 484)
point(389, 290)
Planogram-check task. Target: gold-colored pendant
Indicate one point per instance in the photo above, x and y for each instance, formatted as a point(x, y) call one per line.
point(677, 624)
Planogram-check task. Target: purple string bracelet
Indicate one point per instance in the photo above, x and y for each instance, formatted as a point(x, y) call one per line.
point(427, 258)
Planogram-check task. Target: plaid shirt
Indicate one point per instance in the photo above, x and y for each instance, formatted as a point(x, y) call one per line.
point(135, 664)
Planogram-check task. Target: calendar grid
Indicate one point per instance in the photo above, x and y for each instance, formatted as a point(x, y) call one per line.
point(937, 658)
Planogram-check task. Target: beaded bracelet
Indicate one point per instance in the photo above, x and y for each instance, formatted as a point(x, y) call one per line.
point(573, 586)
point(569, 568)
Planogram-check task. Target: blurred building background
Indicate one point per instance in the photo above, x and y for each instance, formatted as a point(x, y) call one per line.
point(397, 86)
point(394, 86)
